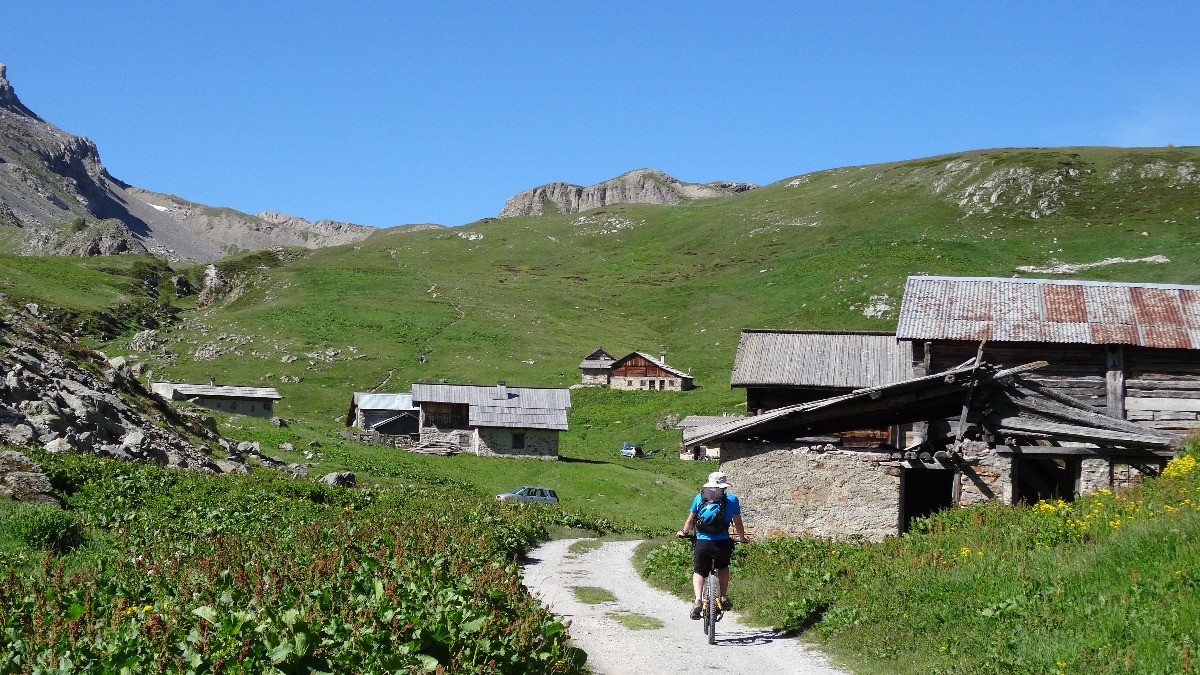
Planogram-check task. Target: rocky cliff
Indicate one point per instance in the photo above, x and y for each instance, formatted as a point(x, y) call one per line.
point(642, 186)
point(56, 198)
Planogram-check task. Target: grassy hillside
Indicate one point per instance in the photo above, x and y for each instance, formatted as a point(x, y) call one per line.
point(523, 300)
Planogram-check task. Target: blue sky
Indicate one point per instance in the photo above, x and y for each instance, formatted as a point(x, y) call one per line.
point(390, 113)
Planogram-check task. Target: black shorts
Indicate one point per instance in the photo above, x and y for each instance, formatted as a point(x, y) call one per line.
point(707, 549)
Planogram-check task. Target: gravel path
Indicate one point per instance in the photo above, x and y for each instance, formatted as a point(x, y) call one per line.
point(551, 572)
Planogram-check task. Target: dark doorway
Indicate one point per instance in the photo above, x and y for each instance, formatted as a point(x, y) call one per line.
point(924, 491)
point(1039, 478)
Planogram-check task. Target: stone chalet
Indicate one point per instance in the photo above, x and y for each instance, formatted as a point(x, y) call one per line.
point(386, 414)
point(597, 367)
point(251, 401)
point(492, 420)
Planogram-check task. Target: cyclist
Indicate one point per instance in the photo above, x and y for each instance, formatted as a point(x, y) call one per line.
point(712, 546)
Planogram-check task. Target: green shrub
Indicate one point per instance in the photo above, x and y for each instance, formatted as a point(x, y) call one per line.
point(46, 528)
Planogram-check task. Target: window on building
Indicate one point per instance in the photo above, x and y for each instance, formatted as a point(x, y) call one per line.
point(518, 440)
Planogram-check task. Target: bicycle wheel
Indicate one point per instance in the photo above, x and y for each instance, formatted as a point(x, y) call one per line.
point(711, 592)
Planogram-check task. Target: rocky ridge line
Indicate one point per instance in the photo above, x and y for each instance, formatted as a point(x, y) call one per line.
point(641, 186)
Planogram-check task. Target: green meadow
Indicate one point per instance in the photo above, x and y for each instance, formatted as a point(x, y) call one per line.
point(523, 301)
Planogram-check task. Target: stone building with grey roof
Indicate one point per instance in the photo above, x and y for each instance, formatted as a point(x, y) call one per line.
point(492, 420)
point(252, 401)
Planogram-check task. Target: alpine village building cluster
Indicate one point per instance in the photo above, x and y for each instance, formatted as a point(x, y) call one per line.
point(989, 389)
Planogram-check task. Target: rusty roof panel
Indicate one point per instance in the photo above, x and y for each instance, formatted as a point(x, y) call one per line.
point(1064, 304)
point(1109, 305)
point(1114, 334)
point(1050, 310)
point(1166, 337)
point(1189, 302)
point(1017, 302)
point(974, 302)
point(1156, 307)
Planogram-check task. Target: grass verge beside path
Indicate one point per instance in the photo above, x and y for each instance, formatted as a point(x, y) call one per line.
point(1106, 584)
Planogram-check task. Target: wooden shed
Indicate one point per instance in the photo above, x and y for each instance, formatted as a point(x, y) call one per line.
point(640, 370)
point(779, 368)
point(387, 414)
point(1131, 350)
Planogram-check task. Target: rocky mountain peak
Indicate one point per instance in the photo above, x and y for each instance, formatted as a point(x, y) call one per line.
point(56, 198)
point(640, 186)
point(8, 96)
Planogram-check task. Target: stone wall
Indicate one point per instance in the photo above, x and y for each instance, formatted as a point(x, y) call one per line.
point(251, 408)
point(646, 383)
point(837, 493)
point(496, 442)
point(596, 377)
point(814, 491)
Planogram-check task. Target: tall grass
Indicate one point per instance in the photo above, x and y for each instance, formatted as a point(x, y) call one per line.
point(183, 572)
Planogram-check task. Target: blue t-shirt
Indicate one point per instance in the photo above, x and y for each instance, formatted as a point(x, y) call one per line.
point(732, 508)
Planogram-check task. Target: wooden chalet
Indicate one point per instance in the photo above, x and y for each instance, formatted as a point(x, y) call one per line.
point(493, 420)
point(1003, 418)
point(1131, 350)
point(780, 368)
point(385, 414)
point(251, 401)
point(597, 367)
point(639, 370)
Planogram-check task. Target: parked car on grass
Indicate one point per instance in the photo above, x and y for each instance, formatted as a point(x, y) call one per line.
point(530, 493)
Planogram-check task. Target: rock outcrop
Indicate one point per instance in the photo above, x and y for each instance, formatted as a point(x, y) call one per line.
point(643, 186)
point(58, 395)
point(56, 198)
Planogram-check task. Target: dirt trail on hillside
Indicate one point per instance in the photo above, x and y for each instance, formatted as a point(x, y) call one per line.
point(551, 572)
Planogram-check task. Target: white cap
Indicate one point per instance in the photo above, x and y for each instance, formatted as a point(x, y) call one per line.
point(717, 479)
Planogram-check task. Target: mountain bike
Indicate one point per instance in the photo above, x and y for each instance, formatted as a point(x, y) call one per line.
point(710, 599)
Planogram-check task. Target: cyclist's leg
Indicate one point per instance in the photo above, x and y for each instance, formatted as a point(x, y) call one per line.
point(725, 548)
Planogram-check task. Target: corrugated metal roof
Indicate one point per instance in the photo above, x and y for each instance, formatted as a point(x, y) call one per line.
point(371, 401)
point(217, 391)
point(820, 359)
point(492, 395)
point(1050, 310)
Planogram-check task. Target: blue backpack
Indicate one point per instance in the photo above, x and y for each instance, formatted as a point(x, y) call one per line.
point(710, 515)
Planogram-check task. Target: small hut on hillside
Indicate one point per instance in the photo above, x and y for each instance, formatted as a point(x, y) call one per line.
point(252, 401)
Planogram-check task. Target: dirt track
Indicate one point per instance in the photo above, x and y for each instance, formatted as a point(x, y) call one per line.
point(551, 572)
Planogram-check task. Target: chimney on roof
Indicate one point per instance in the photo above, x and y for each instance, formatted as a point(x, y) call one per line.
point(662, 357)
point(501, 391)
point(212, 380)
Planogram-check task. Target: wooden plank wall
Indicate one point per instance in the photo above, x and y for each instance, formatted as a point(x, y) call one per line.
point(1161, 387)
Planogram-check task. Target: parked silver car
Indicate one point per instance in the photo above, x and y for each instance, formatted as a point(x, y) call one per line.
point(530, 493)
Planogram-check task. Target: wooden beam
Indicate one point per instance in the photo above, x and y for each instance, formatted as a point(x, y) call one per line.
point(1115, 381)
point(1096, 451)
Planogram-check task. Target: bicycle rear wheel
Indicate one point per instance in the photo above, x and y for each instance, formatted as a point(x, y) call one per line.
point(711, 593)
